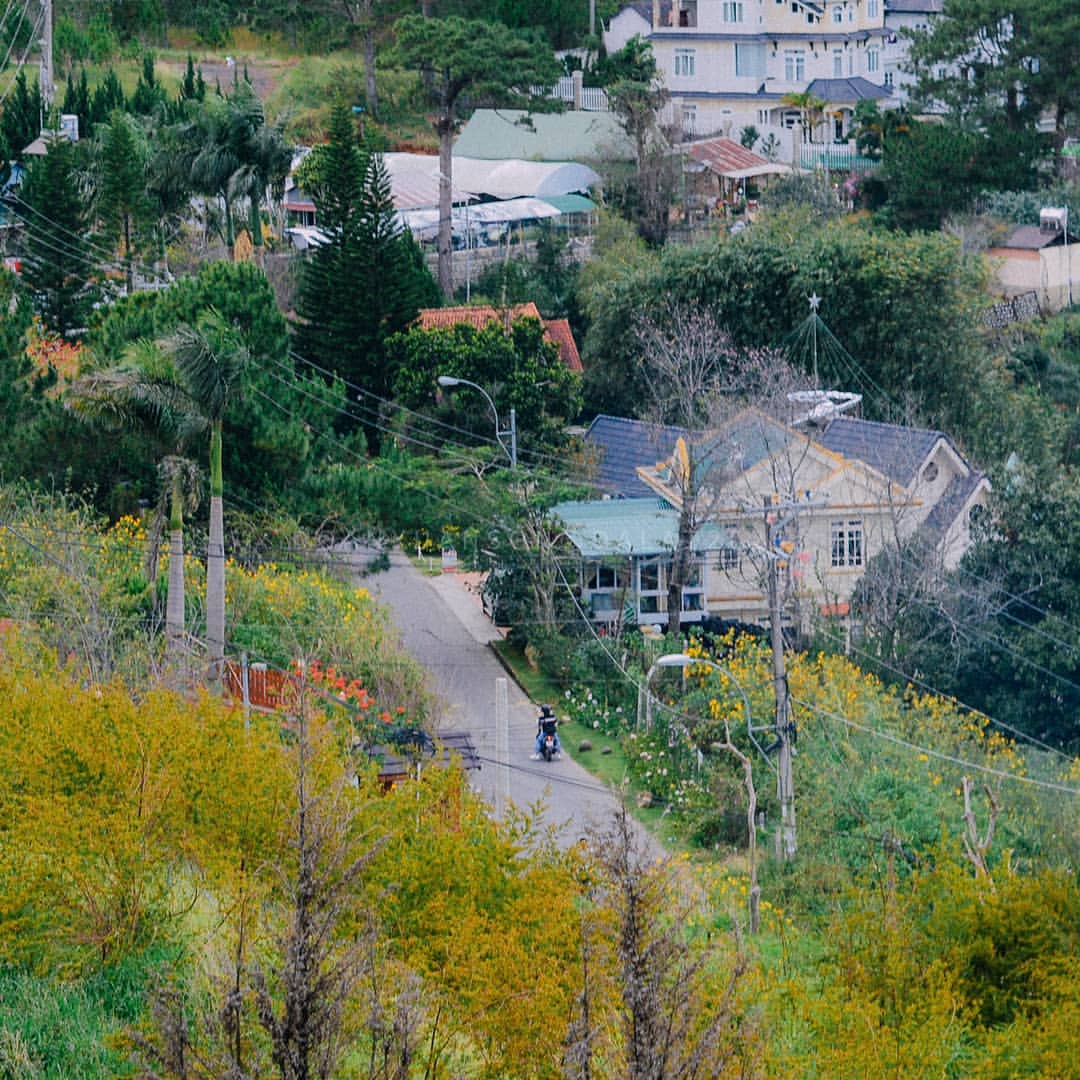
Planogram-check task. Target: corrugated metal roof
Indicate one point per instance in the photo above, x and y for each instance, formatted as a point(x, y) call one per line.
point(500, 134)
point(645, 526)
point(725, 156)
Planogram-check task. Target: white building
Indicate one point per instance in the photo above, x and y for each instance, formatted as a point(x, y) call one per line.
point(729, 64)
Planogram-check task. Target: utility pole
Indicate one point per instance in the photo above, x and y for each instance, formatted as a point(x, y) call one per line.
point(785, 729)
point(47, 78)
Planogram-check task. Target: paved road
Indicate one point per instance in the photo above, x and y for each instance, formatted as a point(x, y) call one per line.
point(444, 628)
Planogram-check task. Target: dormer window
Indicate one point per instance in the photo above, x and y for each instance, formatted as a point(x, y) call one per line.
point(930, 472)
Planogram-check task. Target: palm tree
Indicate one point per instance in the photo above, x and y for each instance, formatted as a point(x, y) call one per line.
point(184, 383)
point(209, 360)
point(127, 398)
point(811, 111)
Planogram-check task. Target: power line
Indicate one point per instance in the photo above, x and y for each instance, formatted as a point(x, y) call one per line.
point(878, 734)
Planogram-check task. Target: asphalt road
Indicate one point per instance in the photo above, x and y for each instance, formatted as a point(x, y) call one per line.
point(444, 628)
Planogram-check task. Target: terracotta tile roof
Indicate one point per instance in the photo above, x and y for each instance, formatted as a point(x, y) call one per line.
point(558, 330)
point(479, 315)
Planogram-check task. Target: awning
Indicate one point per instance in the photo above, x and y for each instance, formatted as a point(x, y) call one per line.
point(571, 204)
point(480, 215)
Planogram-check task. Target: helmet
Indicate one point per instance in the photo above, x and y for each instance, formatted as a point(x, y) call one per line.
point(545, 711)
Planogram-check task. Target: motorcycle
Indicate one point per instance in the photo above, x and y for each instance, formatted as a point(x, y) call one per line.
point(547, 746)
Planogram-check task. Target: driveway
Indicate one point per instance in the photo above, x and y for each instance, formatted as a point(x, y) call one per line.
point(442, 625)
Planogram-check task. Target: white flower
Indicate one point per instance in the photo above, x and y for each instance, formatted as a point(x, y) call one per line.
point(596, 723)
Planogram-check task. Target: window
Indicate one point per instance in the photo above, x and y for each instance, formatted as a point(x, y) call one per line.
point(851, 63)
point(873, 59)
point(930, 473)
point(689, 119)
point(649, 587)
point(750, 60)
point(684, 63)
point(872, 9)
point(794, 65)
point(727, 559)
point(846, 543)
point(838, 14)
point(732, 11)
point(888, 79)
point(838, 62)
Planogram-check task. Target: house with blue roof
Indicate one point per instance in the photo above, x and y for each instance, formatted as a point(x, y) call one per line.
point(850, 488)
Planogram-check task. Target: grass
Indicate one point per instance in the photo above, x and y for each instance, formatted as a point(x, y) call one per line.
point(609, 768)
point(53, 1027)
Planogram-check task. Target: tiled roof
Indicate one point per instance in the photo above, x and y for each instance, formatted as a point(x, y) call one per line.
point(839, 91)
point(478, 315)
point(556, 331)
point(914, 7)
point(724, 155)
point(1031, 238)
point(891, 449)
point(951, 503)
point(622, 445)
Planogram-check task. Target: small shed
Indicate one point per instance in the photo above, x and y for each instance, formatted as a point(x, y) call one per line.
point(1038, 259)
point(405, 757)
point(723, 173)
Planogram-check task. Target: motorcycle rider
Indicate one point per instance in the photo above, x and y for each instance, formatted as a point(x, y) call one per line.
point(547, 724)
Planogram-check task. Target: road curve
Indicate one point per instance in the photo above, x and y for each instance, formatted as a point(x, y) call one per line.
point(442, 626)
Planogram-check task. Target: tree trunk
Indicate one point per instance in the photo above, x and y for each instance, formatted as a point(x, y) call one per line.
point(174, 599)
point(371, 92)
point(215, 568)
point(446, 253)
point(680, 563)
point(130, 270)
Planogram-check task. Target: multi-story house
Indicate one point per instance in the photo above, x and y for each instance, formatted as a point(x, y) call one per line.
point(901, 15)
point(731, 64)
point(845, 490)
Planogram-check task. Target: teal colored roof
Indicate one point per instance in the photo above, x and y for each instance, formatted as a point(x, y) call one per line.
point(571, 204)
point(647, 526)
point(497, 134)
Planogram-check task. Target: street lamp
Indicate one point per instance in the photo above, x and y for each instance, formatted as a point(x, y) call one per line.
point(683, 660)
point(511, 453)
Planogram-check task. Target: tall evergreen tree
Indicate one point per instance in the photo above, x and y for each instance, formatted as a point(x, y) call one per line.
point(108, 97)
point(365, 282)
point(58, 268)
point(123, 205)
point(149, 93)
point(22, 115)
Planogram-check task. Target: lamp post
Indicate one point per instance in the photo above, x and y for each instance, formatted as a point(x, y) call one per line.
point(682, 660)
point(511, 453)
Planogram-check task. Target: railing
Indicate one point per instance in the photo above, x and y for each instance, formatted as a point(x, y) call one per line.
point(834, 159)
point(593, 98)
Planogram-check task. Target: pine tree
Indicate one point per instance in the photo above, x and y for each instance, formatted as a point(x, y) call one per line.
point(57, 268)
point(22, 115)
point(365, 282)
point(123, 206)
point(188, 89)
point(149, 93)
point(108, 97)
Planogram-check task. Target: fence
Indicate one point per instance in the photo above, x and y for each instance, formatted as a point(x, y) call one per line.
point(586, 98)
point(834, 159)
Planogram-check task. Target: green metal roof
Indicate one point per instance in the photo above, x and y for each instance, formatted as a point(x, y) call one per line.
point(647, 526)
point(571, 204)
point(570, 136)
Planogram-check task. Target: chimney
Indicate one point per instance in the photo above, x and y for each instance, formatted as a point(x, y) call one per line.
point(655, 13)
